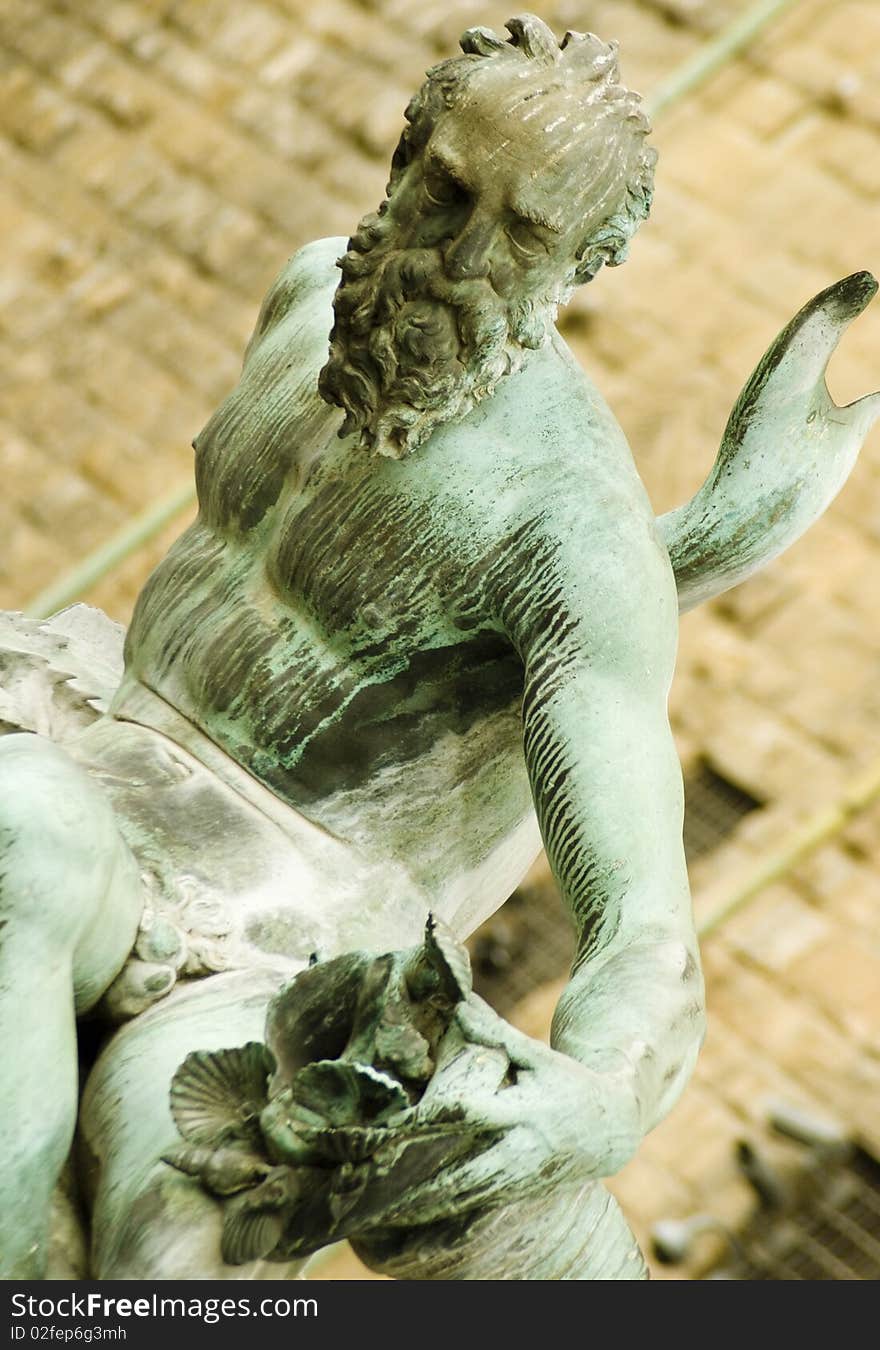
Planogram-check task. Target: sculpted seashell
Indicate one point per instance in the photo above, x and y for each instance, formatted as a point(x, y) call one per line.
point(249, 1236)
point(353, 1144)
point(222, 1171)
point(217, 1096)
point(343, 1093)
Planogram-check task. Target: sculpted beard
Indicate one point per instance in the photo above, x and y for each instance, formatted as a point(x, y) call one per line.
point(411, 349)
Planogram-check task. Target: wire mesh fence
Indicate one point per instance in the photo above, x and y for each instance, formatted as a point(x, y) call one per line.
point(832, 1233)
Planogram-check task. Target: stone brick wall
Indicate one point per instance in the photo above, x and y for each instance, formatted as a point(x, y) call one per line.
point(159, 163)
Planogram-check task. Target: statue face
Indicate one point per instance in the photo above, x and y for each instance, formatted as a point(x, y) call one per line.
point(508, 197)
point(498, 211)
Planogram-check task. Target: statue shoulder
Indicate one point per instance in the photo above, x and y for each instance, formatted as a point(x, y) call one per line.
point(552, 396)
point(548, 416)
point(310, 274)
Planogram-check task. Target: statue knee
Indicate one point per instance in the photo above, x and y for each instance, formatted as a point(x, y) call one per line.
point(60, 849)
point(171, 1231)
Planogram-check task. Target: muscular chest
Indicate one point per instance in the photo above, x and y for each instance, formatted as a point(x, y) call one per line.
point(369, 563)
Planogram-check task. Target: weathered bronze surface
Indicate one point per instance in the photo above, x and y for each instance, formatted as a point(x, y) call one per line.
point(425, 620)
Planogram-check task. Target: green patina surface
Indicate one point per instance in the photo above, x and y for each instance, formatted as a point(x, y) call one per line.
point(425, 622)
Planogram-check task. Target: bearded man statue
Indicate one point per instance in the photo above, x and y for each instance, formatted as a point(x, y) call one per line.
point(461, 271)
point(424, 623)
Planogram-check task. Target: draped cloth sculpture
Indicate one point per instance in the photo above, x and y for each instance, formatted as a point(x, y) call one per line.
point(425, 620)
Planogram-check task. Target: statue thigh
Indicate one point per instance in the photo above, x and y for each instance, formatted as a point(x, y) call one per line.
point(148, 1220)
point(70, 904)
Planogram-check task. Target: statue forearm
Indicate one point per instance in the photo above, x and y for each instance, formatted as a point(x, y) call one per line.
point(636, 1020)
point(608, 793)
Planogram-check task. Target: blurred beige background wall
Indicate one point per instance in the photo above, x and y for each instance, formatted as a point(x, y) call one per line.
point(159, 161)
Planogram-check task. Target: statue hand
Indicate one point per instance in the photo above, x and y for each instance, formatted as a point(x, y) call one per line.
point(493, 1171)
point(786, 452)
point(554, 1098)
point(526, 1118)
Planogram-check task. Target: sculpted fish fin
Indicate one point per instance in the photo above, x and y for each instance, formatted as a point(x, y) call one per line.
point(787, 451)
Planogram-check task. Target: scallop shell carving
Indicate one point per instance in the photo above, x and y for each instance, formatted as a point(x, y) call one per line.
point(217, 1095)
point(343, 1093)
point(249, 1235)
point(353, 1144)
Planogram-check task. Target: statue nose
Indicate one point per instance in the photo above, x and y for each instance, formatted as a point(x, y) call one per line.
point(468, 256)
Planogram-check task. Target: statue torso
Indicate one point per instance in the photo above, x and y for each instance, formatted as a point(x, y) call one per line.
point(340, 624)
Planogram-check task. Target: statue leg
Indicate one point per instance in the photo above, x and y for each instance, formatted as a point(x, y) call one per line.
point(148, 1220)
point(70, 903)
point(570, 1232)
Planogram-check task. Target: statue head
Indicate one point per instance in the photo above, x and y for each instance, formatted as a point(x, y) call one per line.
point(523, 169)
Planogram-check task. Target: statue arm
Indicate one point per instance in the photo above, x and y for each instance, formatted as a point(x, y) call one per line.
point(504, 1121)
point(607, 787)
point(787, 451)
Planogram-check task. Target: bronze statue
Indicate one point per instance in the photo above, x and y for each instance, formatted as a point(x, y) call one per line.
point(425, 620)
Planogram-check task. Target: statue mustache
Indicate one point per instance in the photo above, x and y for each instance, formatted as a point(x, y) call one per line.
point(418, 269)
point(413, 347)
point(436, 319)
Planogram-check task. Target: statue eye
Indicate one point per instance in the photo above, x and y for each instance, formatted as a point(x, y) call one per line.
point(527, 243)
point(441, 188)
